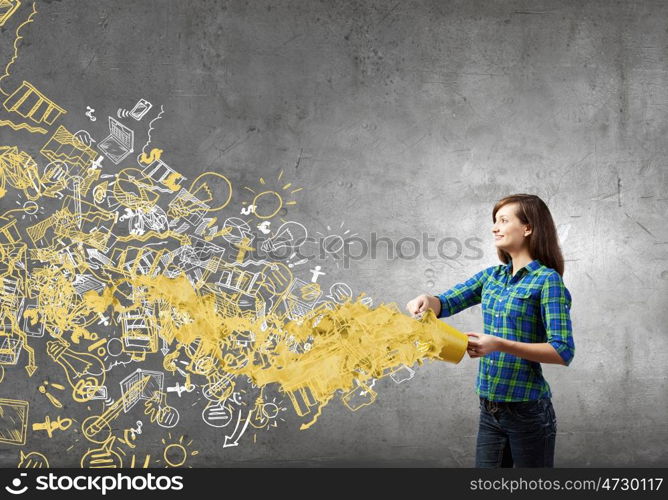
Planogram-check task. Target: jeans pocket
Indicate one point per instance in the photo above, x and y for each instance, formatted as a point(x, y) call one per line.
point(529, 411)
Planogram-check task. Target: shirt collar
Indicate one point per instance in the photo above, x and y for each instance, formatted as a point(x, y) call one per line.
point(530, 267)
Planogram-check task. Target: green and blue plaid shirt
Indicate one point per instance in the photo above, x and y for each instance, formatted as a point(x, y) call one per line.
point(532, 306)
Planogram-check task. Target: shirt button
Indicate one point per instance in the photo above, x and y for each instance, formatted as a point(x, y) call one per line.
point(497, 315)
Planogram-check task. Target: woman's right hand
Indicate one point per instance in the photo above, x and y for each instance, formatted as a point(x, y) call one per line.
point(421, 303)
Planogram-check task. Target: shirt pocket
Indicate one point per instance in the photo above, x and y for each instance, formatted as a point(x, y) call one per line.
point(488, 297)
point(521, 304)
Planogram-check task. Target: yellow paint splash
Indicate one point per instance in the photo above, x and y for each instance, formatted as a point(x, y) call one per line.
point(334, 348)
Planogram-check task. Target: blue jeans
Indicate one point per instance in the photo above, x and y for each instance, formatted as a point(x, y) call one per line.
point(520, 434)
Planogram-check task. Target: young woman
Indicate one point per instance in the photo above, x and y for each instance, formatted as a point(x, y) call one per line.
point(526, 316)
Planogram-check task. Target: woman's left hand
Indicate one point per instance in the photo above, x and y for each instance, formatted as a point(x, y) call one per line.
point(481, 344)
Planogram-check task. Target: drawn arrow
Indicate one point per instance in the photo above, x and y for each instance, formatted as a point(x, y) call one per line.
point(233, 439)
point(30, 367)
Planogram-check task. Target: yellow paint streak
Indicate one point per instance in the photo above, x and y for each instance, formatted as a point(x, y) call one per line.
point(22, 126)
point(324, 352)
point(182, 238)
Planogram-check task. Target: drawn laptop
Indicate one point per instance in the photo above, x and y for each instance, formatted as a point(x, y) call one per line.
point(119, 143)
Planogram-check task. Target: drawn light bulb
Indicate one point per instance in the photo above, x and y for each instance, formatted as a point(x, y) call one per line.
point(257, 416)
point(289, 236)
point(213, 189)
point(78, 366)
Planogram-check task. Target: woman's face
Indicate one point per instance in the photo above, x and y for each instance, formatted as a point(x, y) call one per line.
point(509, 233)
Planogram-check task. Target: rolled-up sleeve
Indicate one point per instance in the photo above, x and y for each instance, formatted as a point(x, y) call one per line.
point(463, 295)
point(556, 312)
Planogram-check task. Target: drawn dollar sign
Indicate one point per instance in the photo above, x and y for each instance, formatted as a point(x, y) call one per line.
point(153, 156)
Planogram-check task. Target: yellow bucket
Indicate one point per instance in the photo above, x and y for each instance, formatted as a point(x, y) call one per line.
point(451, 342)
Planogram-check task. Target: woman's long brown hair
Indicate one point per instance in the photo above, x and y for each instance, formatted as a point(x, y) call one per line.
point(543, 240)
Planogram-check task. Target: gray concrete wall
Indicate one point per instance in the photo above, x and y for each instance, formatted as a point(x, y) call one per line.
point(408, 119)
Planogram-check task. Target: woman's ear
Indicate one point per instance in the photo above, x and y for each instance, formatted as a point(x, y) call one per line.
point(527, 230)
